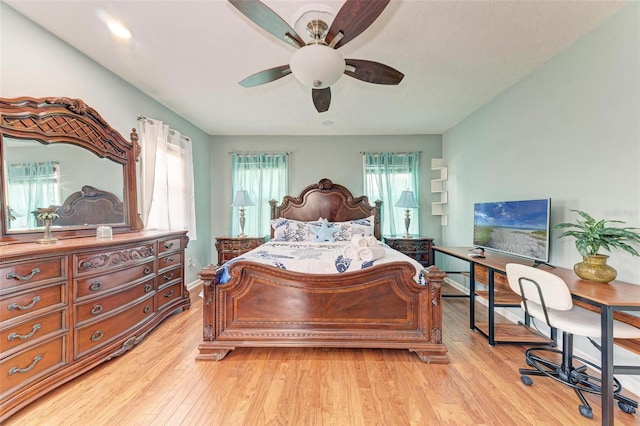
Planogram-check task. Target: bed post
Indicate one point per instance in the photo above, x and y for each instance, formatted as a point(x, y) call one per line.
point(433, 308)
point(208, 276)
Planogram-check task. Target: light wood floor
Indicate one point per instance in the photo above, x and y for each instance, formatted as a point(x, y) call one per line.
point(160, 383)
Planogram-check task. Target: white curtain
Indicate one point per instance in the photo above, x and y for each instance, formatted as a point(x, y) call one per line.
point(166, 178)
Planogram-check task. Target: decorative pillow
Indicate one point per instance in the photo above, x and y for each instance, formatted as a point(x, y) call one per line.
point(292, 230)
point(344, 231)
point(323, 232)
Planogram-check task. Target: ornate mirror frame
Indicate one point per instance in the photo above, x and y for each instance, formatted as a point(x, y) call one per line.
point(71, 121)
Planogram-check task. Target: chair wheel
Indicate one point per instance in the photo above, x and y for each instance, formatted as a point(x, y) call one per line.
point(586, 411)
point(626, 408)
point(527, 380)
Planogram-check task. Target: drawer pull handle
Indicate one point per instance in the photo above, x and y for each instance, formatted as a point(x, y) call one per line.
point(14, 336)
point(97, 308)
point(14, 276)
point(168, 276)
point(146, 270)
point(147, 309)
point(168, 245)
point(167, 295)
point(95, 286)
point(148, 288)
point(13, 306)
point(14, 370)
point(97, 335)
point(168, 259)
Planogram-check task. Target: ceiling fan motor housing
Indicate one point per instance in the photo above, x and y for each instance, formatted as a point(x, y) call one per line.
point(317, 65)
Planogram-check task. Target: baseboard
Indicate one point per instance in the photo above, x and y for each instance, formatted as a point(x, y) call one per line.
point(628, 382)
point(194, 284)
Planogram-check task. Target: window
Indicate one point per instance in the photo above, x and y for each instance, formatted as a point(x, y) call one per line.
point(31, 185)
point(265, 177)
point(168, 199)
point(386, 175)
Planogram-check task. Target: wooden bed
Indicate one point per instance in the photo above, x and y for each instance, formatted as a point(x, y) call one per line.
point(377, 307)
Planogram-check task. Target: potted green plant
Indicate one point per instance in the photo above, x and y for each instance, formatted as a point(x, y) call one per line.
point(591, 236)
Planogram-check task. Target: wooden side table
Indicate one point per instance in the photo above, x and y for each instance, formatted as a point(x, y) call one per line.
point(418, 248)
point(230, 247)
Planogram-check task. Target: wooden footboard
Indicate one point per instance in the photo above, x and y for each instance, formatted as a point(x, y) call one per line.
point(378, 307)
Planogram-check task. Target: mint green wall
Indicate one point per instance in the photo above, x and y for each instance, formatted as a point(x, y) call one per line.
point(312, 158)
point(569, 131)
point(35, 63)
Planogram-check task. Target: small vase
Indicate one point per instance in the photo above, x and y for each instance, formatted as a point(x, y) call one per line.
point(595, 268)
point(47, 221)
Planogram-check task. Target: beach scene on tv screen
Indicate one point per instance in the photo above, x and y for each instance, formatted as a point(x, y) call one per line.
point(518, 227)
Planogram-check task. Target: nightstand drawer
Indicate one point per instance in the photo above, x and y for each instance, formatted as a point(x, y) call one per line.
point(418, 248)
point(231, 247)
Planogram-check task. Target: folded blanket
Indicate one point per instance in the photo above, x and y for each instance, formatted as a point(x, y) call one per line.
point(350, 251)
point(369, 254)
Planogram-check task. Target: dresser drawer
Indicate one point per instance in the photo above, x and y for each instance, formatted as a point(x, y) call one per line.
point(168, 295)
point(31, 330)
point(95, 335)
point(168, 276)
point(29, 365)
point(99, 261)
point(168, 246)
point(98, 308)
point(14, 275)
point(99, 284)
point(169, 261)
point(35, 300)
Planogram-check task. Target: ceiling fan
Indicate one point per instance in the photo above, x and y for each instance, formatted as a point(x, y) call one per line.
point(317, 64)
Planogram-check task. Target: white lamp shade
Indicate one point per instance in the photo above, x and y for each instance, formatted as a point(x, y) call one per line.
point(407, 200)
point(317, 66)
point(242, 199)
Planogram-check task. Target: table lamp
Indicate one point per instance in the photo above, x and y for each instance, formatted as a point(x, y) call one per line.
point(242, 200)
point(407, 201)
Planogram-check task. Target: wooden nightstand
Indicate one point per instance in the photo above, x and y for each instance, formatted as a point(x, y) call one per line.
point(418, 248)
point(230, 247)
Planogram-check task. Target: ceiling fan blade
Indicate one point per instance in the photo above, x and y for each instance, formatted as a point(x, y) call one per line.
point(354, 17)
point(373, 72)
point(321, 99)
point(266, 76)
point(266, 18)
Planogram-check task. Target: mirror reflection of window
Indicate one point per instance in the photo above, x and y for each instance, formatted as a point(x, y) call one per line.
point(31, 185)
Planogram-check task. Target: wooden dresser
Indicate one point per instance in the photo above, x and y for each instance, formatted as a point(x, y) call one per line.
point(72, 305)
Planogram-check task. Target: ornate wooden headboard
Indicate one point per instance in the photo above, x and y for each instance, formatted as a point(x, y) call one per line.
point(327, 200)
point(90, 206)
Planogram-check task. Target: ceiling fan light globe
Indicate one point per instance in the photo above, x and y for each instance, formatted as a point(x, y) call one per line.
point(317, 66)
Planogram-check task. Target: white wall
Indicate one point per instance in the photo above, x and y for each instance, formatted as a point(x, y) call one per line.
point(569, 131)
point(35, 63)
point(312, 158)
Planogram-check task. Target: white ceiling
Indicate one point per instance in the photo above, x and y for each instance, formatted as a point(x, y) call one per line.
point(190, 56)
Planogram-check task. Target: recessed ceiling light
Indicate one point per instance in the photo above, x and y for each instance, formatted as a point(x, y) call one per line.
point(116, 27)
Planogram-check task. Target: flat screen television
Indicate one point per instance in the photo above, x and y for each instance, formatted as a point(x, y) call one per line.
point(519, 228)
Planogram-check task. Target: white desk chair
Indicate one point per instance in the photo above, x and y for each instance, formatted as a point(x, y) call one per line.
point(546, 297)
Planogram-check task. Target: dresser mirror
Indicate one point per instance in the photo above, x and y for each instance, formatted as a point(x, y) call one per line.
point(58, 153)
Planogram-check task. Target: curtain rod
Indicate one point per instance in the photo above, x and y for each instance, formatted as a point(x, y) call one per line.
point(36, 162)
point(262, 153)
point(389, 152)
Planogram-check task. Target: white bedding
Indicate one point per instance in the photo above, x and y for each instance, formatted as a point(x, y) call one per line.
point(318, 258)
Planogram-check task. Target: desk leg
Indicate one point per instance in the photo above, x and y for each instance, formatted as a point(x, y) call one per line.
point(606, 363)
point(492, 337)
point(472, 297)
